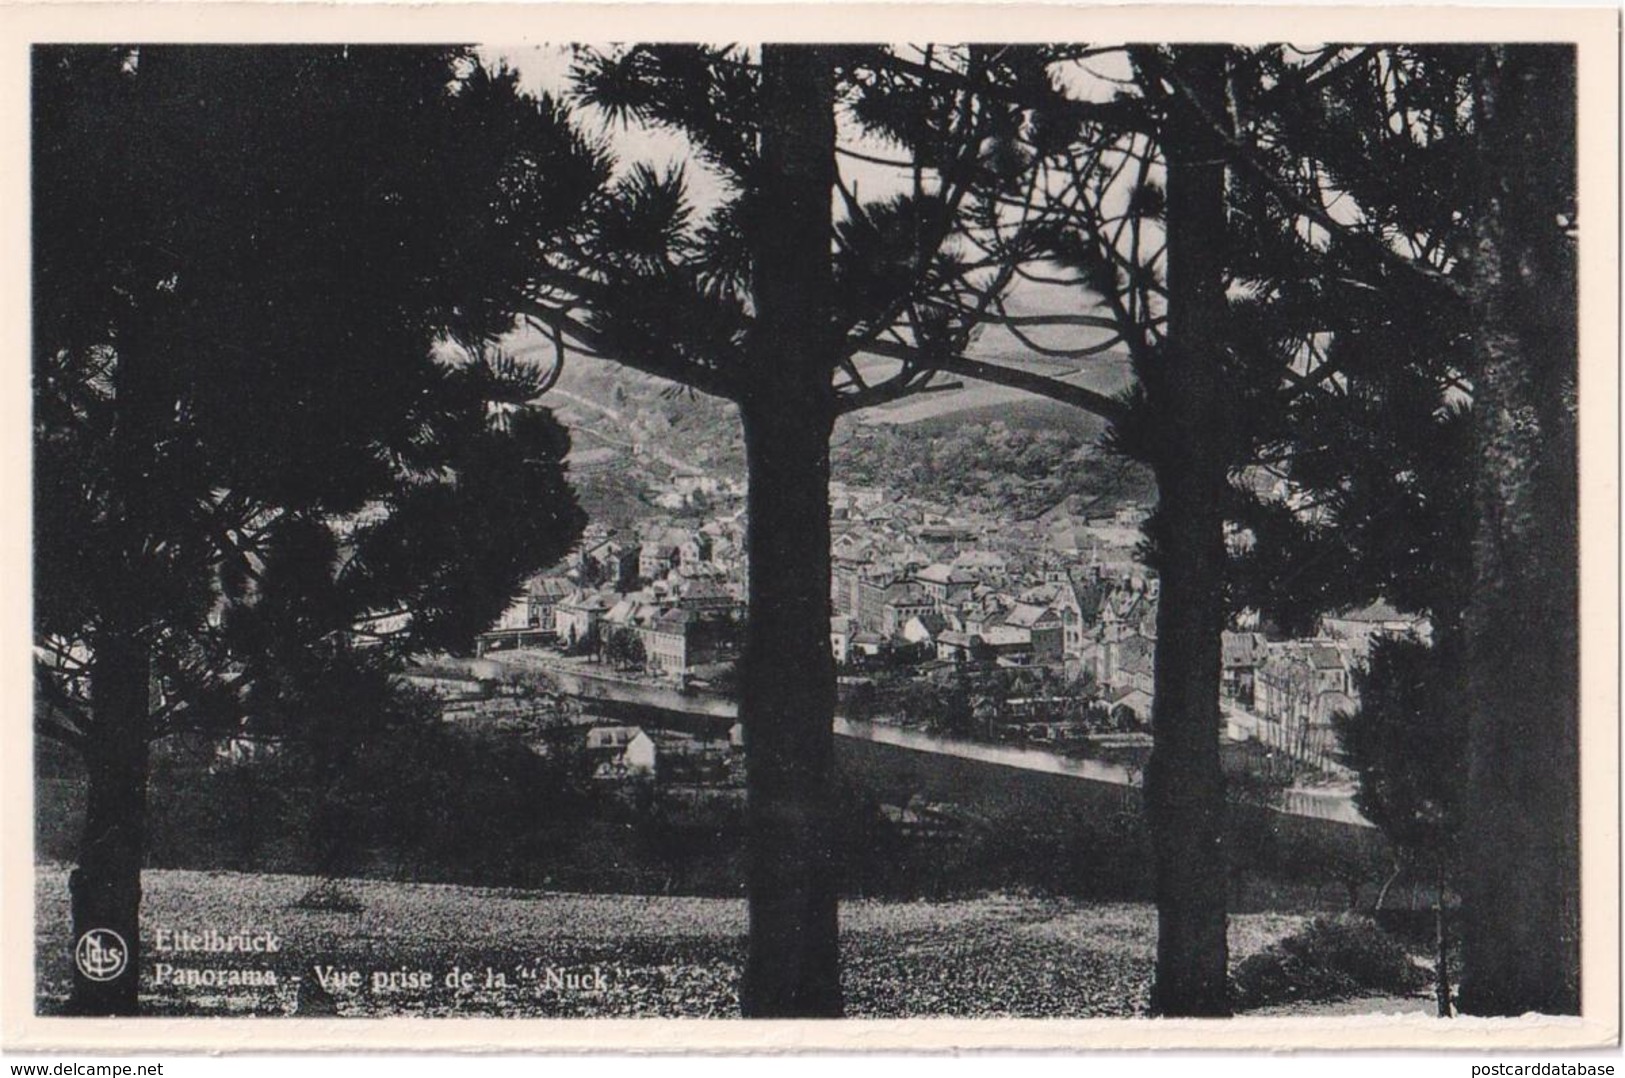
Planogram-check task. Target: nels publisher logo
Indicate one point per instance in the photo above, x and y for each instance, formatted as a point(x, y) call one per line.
point(101, 954)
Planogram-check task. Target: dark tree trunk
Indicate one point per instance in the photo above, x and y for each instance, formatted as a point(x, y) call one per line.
point(1184, 786)
point(105, 888)
point(1441, 950)
point(1520, 930)
point(787, 673)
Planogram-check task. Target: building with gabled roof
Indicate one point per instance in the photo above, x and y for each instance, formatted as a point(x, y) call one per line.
point(984, 565)
point(903, 600)
point(1301, 685)
point(1046, 633)
point(1357, 628)
point(621, 752)
point(924, 628)
point(1242, 654)
point(576, 618)
point(945, 584)
point(705, 593)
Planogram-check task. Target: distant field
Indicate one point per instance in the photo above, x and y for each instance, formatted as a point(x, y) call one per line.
point(1107, 373)
point(660, 955)
point(974, 401)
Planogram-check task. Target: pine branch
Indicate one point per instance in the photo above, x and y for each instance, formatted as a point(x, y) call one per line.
point(670, 366)
point(1119, 115)
point(65, 718)
point(1244, 155)
point(1106, 407)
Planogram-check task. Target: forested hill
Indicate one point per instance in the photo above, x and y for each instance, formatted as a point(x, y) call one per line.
point(976, 446)
point(1015, 461)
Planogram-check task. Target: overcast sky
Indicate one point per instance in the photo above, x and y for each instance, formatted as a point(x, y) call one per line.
point(545, 68)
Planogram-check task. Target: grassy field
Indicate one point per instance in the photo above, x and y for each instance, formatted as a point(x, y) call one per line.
point(659, 956)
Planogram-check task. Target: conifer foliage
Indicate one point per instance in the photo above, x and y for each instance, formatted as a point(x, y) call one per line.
point(267, 425)
point(767, 300)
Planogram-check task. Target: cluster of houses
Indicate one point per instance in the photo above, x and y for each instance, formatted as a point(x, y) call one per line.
point(916, 585)
point(667, 601)
point(618, 752)
point(1287, 693)
point(1065, 591)
point(689, 490)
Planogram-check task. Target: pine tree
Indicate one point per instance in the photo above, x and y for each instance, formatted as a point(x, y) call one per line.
point(1444, 442)
point(263, 409)
point(766, 302)
point(1522, 898)
point(1152, 257)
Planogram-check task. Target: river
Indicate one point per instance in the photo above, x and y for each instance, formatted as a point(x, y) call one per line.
point(588, 685)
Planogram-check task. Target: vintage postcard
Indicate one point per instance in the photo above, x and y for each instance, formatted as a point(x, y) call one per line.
point(764, 528)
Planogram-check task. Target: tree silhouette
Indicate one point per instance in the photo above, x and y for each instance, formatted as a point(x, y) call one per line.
point(266, 429)
point(1443, 448)
point(1522, 899)
point(769, 301)
point(1408, 742)
point(1129, 201)
point(1368, 328)
point(624, 649)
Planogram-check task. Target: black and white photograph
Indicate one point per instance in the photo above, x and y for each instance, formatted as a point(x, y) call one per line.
point(951, 528)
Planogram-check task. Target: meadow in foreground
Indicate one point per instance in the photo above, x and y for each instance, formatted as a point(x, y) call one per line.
point(619, 955)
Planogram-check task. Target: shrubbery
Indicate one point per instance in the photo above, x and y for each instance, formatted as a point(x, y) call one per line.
point(1330, 958)
point(429, 800)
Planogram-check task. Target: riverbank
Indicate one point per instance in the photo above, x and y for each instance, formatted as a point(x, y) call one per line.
point(591, 681)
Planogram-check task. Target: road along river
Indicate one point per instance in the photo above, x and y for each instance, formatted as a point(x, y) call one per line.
point(590, 685)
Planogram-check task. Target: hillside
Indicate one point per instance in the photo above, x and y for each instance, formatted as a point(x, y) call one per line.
point(978, 446)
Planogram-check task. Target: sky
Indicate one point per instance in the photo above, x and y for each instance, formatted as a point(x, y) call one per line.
point(545, 68)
